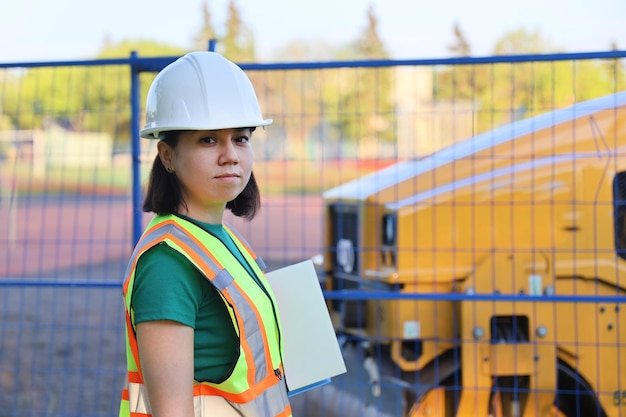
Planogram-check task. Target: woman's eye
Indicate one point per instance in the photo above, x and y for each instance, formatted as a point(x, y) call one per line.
point(243, 139)
point(207, 140)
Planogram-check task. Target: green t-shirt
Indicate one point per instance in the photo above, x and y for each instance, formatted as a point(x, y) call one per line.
point(168, 287)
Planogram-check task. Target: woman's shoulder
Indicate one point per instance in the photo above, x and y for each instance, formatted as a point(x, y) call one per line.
point(160, 253)
point(168, 286)
point(164, 265)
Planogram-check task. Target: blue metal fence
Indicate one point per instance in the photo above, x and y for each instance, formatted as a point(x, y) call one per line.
point(69, 216)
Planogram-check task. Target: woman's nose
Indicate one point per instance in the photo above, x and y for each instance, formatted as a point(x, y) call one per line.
point(229, 154)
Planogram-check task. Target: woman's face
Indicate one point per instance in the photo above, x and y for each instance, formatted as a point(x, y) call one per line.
point(212, 166)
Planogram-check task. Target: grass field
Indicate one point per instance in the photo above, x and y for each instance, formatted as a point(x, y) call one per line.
point(275, 177)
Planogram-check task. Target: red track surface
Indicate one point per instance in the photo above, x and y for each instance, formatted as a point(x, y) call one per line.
point(39, 236)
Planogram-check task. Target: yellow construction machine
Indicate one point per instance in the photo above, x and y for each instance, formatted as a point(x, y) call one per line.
point(516, 239)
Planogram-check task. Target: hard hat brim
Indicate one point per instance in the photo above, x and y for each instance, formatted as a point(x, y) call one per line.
point(153, 132)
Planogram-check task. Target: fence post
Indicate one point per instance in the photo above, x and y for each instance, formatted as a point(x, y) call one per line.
point(135, 107)
point(8, 198)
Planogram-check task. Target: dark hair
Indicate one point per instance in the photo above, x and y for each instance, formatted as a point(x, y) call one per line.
point(164, 194)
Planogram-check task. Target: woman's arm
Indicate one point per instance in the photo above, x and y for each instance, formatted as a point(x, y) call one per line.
point(167, 362)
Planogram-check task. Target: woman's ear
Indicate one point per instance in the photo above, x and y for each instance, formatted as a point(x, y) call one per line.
point(165, 154)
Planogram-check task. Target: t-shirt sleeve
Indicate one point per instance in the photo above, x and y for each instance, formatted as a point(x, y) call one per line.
point(166, 287)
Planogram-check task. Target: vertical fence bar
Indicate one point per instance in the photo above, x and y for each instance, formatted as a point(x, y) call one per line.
point(135, 107)
point(212, 44)
point(41, 305)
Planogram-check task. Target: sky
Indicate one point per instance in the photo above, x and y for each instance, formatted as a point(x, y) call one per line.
point(45, 30)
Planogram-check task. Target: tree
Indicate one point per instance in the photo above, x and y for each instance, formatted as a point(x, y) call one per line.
point(526, 89)
point(207, 31)
point(109, 87)
point(369, 45)
point(235, 43)
point(501, 93)
point(298, 100)
point(5, 122)
point(521, 41)
point(365, 106)
point(82, 98)
point(460, 82)
point(615, 69)
point(461, 46)
point(8, 96)
point(238, 43)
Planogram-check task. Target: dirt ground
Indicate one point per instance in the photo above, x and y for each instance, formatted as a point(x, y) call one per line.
point(61, 313)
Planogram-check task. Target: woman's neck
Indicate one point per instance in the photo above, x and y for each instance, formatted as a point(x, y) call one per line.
point(213, 216)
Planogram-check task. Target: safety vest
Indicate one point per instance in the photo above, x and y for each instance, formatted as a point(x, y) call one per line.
point(256, 386)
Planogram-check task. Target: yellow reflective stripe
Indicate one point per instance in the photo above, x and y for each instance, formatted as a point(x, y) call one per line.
point(258, 266)
point(238, 238)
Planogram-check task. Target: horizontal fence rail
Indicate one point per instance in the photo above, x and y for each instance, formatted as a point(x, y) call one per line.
point(465, 217)
point(355, 295)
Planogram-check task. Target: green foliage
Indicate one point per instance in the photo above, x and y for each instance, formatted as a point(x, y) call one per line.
point(143, 48)
point(461, 46)
point(521, 41)
point(238, 42)
point(328, 107)
point(501, 93)
point(5, 122)
point(365, 107)
point(109, 88)
point(369, 45)
point(81, 98)
point(207, 31)
point(333, 105)
point(7, 91)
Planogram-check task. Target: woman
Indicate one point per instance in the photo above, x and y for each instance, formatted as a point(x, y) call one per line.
point(203, 332)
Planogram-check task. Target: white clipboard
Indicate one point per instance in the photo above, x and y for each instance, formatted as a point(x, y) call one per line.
point(311, 352)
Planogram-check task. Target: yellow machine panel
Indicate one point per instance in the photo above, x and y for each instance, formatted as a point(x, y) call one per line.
point(532, 212)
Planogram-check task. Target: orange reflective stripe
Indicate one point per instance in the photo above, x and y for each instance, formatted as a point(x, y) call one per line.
point(139, 251)
point(200, 244)
point(134, 264)
point(196, 257)
point(132, 343)
point(135, 377)
point(240, 398)
point(261, 388)
point(270, 367)
point(243, 339)
point(268, 382)
point(242, 329)
point(189, 236)
point(127, 279)
point(161, 238)
point(286, 412)
point(157, 225)
point(241, 240)
point(243, 397)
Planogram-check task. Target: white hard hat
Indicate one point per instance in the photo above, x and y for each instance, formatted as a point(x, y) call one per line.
point(201, 91)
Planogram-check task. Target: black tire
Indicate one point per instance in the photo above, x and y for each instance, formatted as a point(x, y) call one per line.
point(575, 397)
